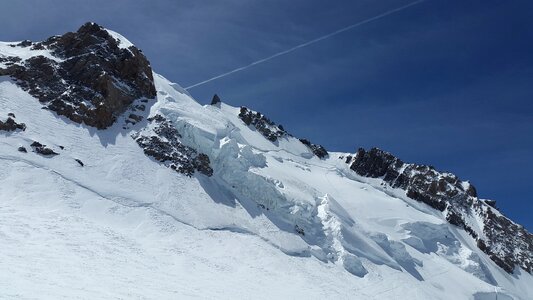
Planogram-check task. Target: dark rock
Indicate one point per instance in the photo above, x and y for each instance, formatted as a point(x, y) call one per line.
point(216, 100)
point(481, 245)
point(318, 150)
point(25, 43)
point(36, 144)
point(163, 144)
point(94, 83)
point(158, 118)
point(375, 163)
point(38, 46)
point(491, 203)
point(202, 164)
point(22, 149)
point(267, 128)
point(454, 219)
point(46, 151)
point(505, 242)
point(79, 162)
point(11, 125)
point(132, 118)
point(348, 159)
point(299, 230)
point(11, 115)
point(422, 183)
point(42, 149)
point(273, 132)
point(61, 147)
point(140, 107)
point(9, 60)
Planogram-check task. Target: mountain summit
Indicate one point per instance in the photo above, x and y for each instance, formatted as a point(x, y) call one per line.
point(89, 76)
point(116, 183)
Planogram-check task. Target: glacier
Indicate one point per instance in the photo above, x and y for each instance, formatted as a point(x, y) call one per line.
point(273, 220)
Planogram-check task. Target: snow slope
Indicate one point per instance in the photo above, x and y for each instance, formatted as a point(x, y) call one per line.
point(274, 221)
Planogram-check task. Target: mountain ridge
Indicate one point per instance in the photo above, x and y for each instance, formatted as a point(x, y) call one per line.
point(240, 152)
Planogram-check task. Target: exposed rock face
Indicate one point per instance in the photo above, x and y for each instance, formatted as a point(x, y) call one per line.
point(92, 80)
point(216, 100)
point(161, 140)
point(421, 182)
point(273, 132)
point(79, 162)
point(8, 61)
point(42, 149)
point(318, 150)
point(267, 128)
point(490, 202)
point(11, 125)
point(507, 243)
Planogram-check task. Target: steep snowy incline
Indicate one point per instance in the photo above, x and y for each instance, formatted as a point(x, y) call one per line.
point(178, 200)
point(370, 221)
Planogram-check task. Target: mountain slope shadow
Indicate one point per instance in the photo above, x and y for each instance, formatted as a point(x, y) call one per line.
point(437, 238)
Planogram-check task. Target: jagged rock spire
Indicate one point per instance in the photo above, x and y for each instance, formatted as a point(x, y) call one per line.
point(216, 100)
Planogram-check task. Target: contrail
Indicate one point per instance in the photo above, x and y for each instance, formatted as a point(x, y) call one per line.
point(387, 13)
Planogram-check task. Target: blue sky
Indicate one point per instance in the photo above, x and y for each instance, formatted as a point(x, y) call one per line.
point(446, 83)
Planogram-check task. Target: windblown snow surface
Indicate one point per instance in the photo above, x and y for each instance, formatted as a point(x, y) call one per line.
point(273, 222)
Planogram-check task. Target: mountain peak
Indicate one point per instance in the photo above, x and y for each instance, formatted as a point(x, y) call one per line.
point(90, 28)
point(87, 76)
point(216, 100)
point(154, 180)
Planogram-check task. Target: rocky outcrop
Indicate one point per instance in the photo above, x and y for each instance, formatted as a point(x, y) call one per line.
point(11, 125)
point(8, 61)
point(508, 244)
point(317, 150)
point(273, 132)
point(262, 124)
point(90, 79)
point(161, 141)
point(42, 149)
point(216, 100)
point(422, 183)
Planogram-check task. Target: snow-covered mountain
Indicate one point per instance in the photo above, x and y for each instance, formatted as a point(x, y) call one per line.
point(117, 184)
